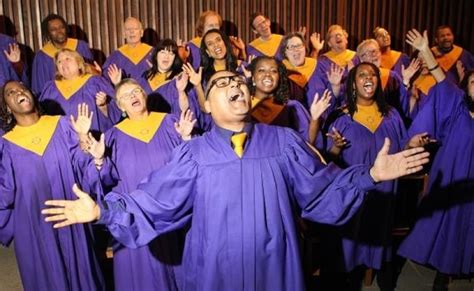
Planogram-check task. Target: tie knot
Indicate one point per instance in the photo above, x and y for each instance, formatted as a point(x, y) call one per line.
point(238, 141)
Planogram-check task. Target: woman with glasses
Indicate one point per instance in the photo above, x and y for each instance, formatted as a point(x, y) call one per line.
point(130, 151)
point(75, 85)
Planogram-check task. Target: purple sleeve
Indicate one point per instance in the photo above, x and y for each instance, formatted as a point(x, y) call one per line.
point(84, 50)
point(42, 71)
point(7, 198)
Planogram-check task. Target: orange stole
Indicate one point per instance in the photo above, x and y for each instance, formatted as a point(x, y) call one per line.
point(389, 60)
point(341, 59)
point(268, 47)
point(384, 76)
point(266, 111)
point(446, 61)
point(135, 54)
point(424, 83)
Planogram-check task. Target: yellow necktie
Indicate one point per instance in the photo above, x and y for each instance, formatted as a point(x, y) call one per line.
point(238, 141)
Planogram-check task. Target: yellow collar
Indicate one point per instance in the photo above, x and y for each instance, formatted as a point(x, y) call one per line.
point(268, 47)
point(446, 61)
point(303, 73)
point(51, 50)
point(158, 80)
point(143, 130)
point(384, 76)
point(34, 138)
point(341, 59)
point(67, 88)
point(219, 67)
point(390, 59)
point(424, 83)
point(135, 54)
point(196, 41)
point(368, 116)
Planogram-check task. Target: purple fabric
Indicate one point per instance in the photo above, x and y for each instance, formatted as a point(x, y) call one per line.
point(253, 51)
point(397, 95)
point(43, 68)
point(361, 241)
point(48, 259)
point(194, 55)
point(129, 69)
point(467, 60)
point(243, 234)
point(149, 267)
point(444, 232)
point(54, 103)
point(404, 59)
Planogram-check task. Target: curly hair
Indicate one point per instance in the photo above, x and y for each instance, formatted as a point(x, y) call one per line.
point(176, 67)
point(45, 23)
point(282, 90)
point(208, 63)
point(7, 120)
point(351, 92)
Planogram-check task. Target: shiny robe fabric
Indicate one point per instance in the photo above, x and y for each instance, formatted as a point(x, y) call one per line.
point(243, 235)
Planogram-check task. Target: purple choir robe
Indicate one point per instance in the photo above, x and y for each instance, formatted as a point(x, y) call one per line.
point(43, 68)
point(194, 47)
point(243, 235)
point(129, 68)
point(443, 235)
point(54, 102)
point(257, 47)
point(148, 267)
point(48, 258)
point(7, 71)
point(388, 62)
point(447, 61)
point(395, 93)
point(362, 241)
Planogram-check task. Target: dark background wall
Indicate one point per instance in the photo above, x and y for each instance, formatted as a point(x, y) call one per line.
point(100, 21)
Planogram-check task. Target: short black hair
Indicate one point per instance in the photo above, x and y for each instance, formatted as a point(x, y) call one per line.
point(45, 22)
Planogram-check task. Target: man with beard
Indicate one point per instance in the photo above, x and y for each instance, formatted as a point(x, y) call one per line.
point(54, 31)
point(240, 185)
point(451, 58)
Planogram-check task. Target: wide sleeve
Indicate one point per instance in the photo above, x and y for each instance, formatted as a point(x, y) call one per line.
point(299, 118)
point(162, 203)
point(85, 51)
point(7, 198)
point(325, 194)
point(41, 72)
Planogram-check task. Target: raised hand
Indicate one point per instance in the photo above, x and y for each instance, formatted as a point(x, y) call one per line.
point(83, 122)
point(67, 212)
point(335, 75)
point(114, 73)
point(237, 42)
point(416, 40)
point(100, 99)
point(95, 148)
point(182, 82)
point(185, 124)
point(388, 167)
point(301, 31)
point(408, 73)
point(420, 140)
point(316, 42)
point(319, 105)
point(339, 141)
point(13, 54)
point(194, 77)
point(460, 69)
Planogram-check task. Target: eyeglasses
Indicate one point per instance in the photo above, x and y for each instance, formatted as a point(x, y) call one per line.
point(134, 92)
point(371, 53)
point(295, 47)
point(224, 81)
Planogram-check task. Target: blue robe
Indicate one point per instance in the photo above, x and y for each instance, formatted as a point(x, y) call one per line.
point(361, 241)
point(131, 160)
point(243, 235)
point(43, 69)
point(48, 258)
point(443, 235)
point(53, 102)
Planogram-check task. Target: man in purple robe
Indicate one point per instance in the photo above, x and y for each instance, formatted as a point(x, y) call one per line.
point(54, 31)
point(240, 201)
point(11, 65)
point(41, 161)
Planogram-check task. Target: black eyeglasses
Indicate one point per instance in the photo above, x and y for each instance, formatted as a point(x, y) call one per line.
point(224, 81)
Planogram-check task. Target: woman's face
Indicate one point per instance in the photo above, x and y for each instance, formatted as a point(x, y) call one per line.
point(266, 76)
point(295, 51)
point(383, 38)
point(165, 59)
point(67, 65)
point(365, 83)
point(132, 99)
point(215, 46)
point(470, 86)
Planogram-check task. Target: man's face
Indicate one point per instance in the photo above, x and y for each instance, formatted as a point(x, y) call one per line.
point(445, 38)
point(228, 98)
point(57, 31)
point(261, 25)
point(133, 31)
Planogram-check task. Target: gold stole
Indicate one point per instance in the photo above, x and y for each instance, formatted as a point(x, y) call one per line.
point(268, 47)
point(446, 61)
point(303, 73)
point(384, 76)
point(51, 50)
point(218, 68)
point(368, 116)
point(341, 59)
point(67, 88)
point(158, 80)
point(424, 83)
point(34, 138)
point(196, 41)
point(266, 111)
point(143, 130)
point(389, 60)
point(135, 54)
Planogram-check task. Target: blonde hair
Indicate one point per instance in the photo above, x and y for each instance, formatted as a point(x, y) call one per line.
point(83, 69)
point(365, 43)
